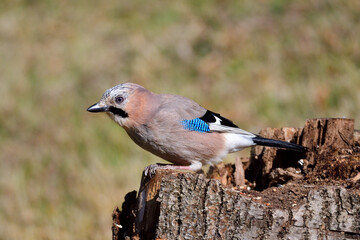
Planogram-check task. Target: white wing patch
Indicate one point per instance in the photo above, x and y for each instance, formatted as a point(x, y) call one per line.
point(214, 127)
point(218, 121)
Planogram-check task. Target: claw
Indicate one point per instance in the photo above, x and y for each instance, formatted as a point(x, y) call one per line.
point(150, 170)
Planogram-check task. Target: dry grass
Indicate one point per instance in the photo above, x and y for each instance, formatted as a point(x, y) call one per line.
point(261, 63)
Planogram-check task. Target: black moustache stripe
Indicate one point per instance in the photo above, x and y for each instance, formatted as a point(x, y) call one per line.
point(118, 111)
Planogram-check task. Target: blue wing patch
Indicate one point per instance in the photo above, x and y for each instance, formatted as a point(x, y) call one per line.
point(196, 124)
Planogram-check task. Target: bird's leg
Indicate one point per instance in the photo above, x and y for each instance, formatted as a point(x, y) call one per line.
point(150, 170)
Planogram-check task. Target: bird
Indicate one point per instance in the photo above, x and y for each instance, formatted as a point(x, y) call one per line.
point(177, 128)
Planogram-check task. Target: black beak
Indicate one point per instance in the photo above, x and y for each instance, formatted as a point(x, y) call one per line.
point(96, 108)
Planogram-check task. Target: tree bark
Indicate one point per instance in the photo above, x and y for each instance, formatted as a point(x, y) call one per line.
point(189, 206)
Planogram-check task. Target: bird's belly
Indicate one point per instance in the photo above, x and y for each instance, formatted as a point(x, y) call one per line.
point(182, 149)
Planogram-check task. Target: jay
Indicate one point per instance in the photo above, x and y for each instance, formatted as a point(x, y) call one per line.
point(176, 128)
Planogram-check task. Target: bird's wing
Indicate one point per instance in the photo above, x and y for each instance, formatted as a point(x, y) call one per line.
point(214, 122)
point(179, 107)
point(193, 117)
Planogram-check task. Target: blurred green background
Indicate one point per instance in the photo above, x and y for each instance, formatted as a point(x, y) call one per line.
point(266, 63)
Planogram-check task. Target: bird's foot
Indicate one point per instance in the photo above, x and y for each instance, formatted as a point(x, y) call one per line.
point(150, 170)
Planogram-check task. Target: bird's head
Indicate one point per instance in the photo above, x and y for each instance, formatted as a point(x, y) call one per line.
point(124, 103)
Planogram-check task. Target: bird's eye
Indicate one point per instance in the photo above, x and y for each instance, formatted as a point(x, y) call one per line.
point(119, 99)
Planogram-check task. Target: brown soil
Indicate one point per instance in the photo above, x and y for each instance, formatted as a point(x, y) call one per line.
point(337, 168)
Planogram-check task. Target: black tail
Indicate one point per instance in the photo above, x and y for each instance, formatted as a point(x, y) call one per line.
point(277, 143)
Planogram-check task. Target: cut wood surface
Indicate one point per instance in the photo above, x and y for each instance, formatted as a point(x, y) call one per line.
point(303, 196)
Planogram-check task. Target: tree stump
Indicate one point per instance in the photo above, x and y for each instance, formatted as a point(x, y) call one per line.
point(320, 199)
